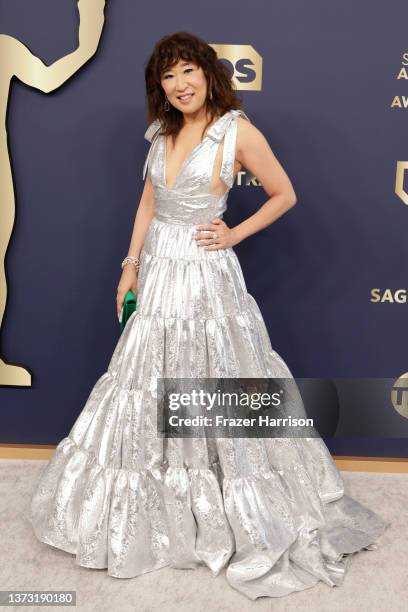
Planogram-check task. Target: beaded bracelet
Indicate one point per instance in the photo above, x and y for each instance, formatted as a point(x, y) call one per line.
point(131, 260)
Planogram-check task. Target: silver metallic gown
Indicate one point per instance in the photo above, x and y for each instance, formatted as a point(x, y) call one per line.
point(271, 511)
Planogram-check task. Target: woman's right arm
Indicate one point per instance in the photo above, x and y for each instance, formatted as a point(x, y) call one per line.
point(144, 215)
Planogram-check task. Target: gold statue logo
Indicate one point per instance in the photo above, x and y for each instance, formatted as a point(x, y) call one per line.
point(17, 61)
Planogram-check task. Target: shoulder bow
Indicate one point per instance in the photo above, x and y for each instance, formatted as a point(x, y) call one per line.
point(226, 128)
point(151, 134)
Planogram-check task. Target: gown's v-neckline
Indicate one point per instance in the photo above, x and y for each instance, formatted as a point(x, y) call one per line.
point(186, 159)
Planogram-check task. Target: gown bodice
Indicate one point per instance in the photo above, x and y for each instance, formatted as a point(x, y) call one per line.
point(189, 200)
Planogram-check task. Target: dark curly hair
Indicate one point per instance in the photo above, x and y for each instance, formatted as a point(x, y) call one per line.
point(167, 52)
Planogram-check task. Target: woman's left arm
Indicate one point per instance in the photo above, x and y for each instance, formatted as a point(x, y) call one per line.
point(255, 154)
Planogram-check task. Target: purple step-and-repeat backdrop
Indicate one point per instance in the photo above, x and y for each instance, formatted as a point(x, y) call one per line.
point(327, 85)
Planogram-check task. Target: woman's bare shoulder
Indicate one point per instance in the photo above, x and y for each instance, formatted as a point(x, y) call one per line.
point(248, 135)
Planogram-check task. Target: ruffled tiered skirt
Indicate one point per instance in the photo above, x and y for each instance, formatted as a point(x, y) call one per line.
point(272, 511)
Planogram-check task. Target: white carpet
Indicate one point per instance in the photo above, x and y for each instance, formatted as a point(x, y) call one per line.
point(377, 581)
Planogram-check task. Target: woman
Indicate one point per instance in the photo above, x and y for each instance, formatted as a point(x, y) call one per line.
point(272, 511)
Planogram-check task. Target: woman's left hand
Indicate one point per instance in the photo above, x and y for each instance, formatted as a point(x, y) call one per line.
point(224, 236)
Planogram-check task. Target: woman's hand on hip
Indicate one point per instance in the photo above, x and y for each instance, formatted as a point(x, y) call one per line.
point(215, 235)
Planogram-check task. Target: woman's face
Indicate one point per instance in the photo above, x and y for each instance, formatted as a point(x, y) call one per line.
point(185, 86)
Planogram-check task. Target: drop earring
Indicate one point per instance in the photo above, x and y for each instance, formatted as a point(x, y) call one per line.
point(167, 105)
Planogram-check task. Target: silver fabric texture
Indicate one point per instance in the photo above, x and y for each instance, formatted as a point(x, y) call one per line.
point(273, 511)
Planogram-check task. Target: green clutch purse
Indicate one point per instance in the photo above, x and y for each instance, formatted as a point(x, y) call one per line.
point(128, 308)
